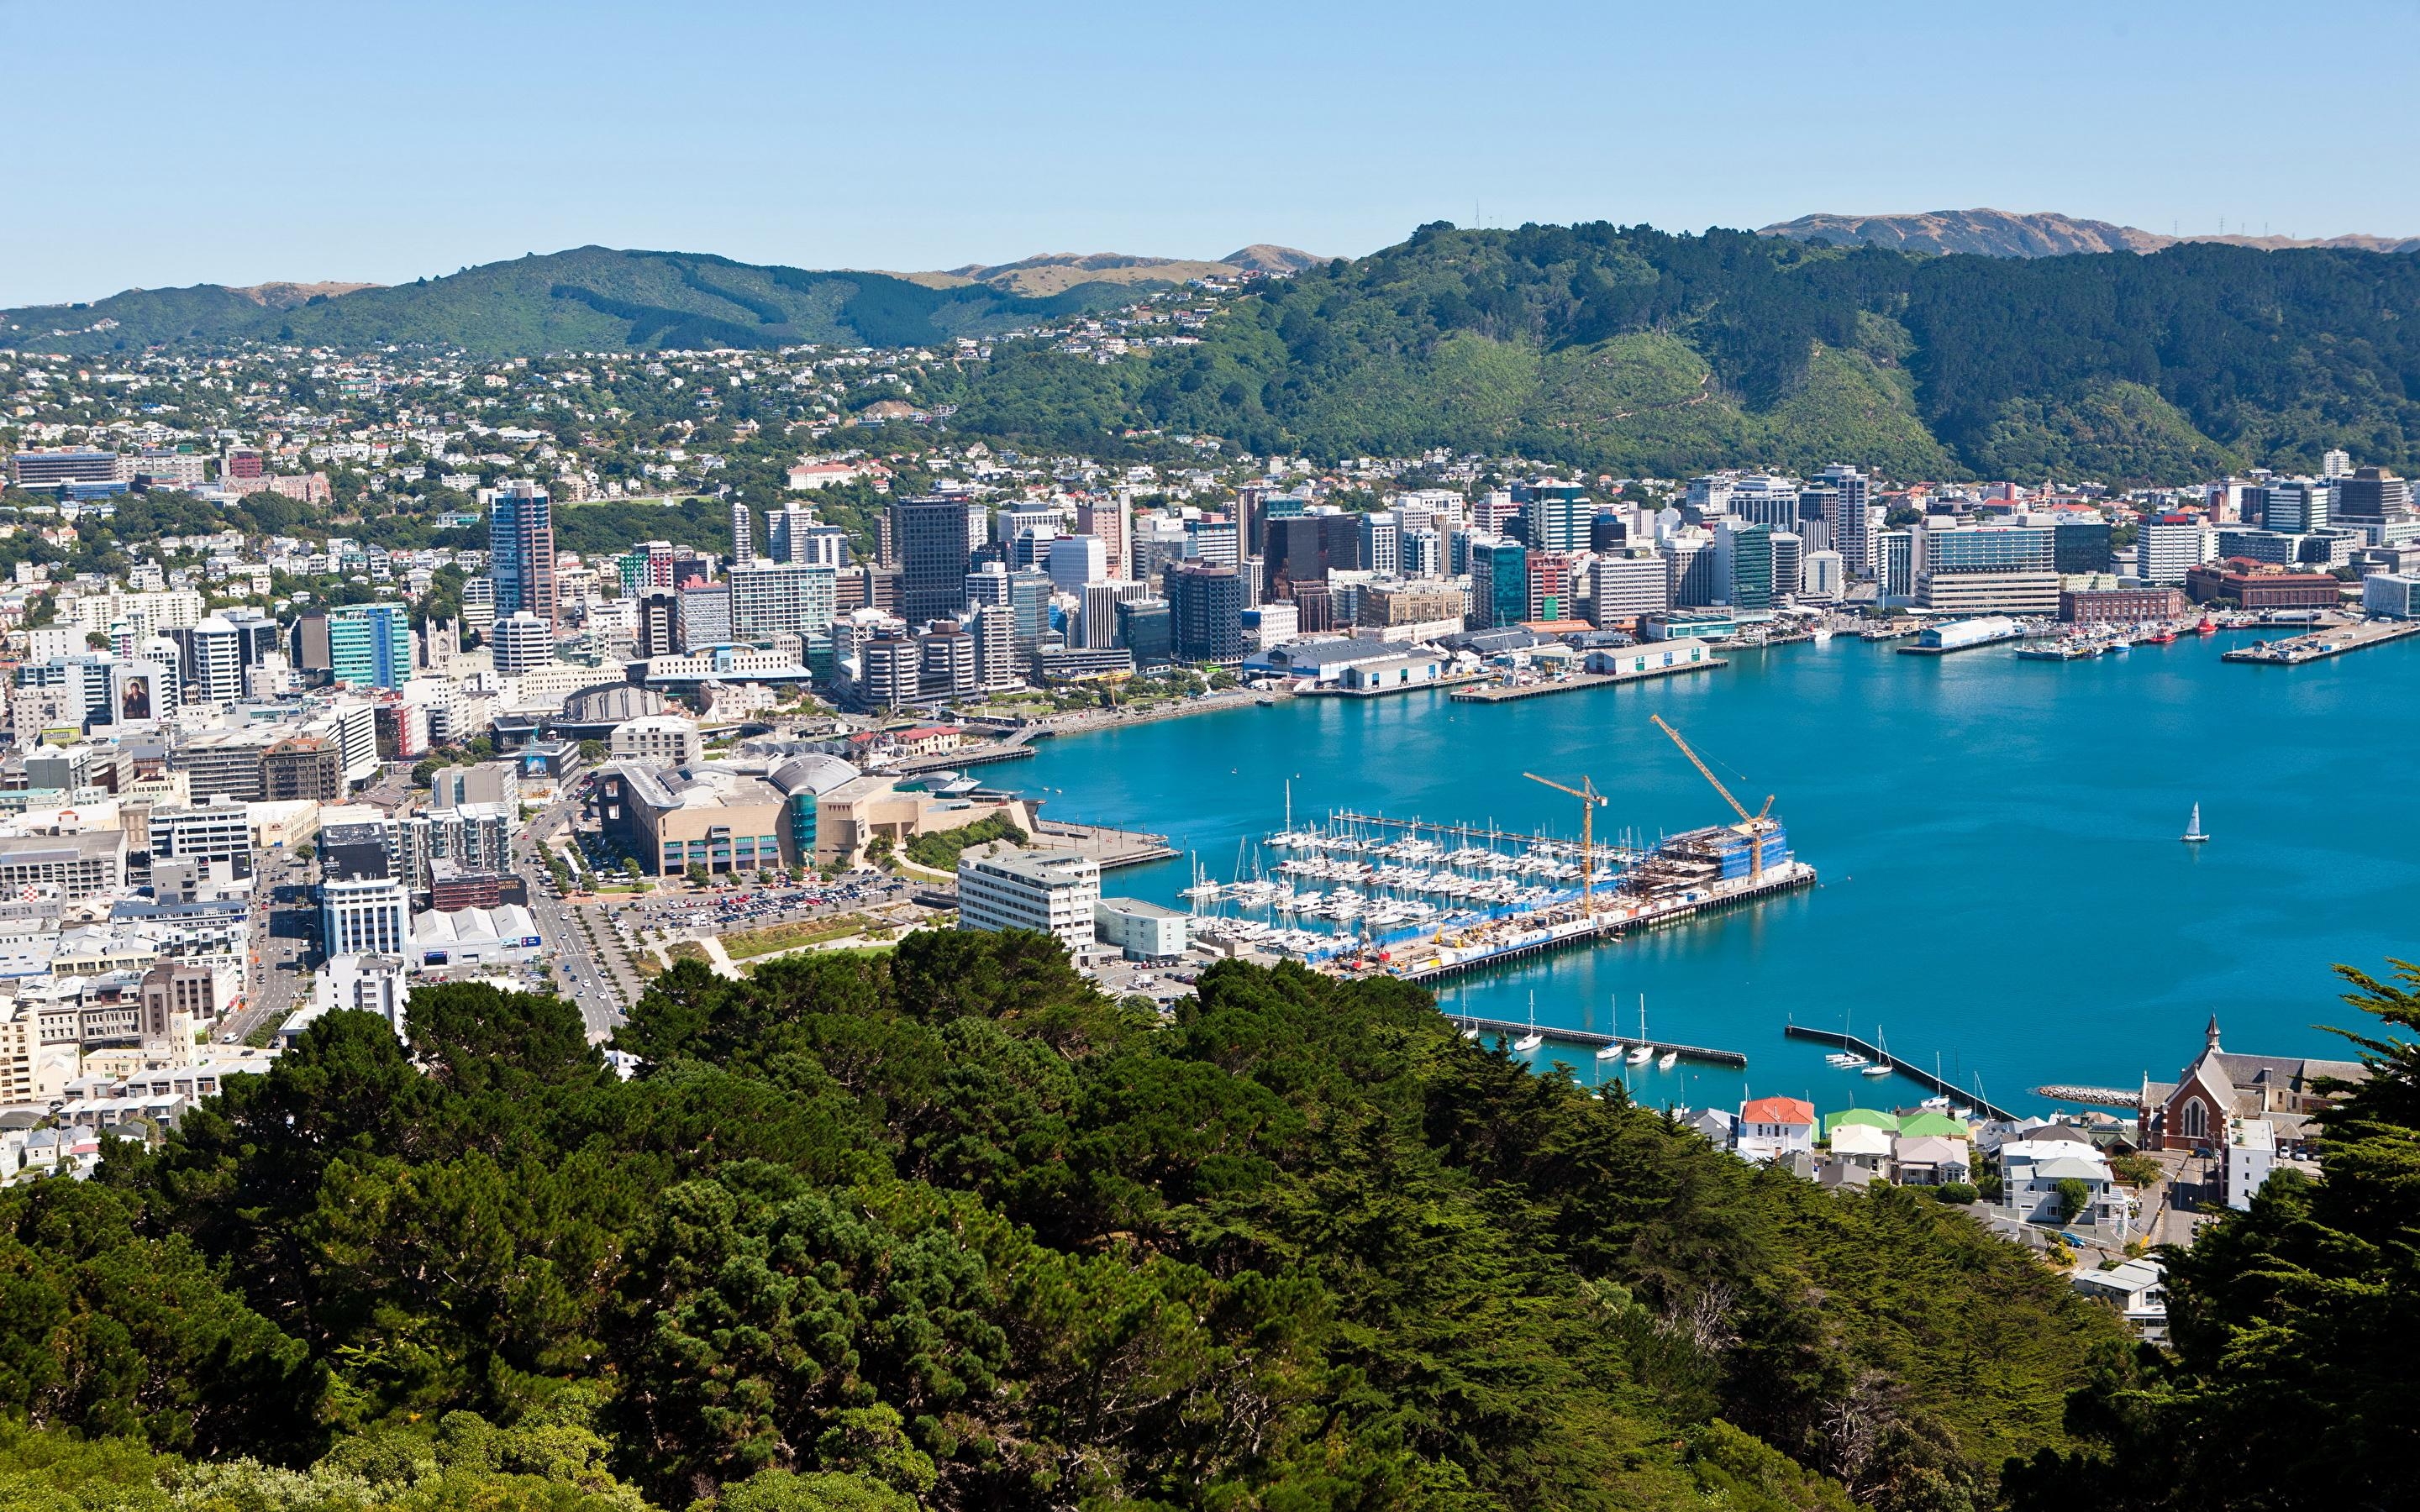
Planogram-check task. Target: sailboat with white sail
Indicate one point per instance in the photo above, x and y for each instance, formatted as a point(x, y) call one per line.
point(2194, 834)
point(1532, 1039)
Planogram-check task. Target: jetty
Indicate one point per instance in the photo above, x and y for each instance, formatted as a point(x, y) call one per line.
point(1109, 847)
point(2318, 645)
point(1592, 1039)
point(2109, 1097)
point(1906, 1067)
point(1581, 681)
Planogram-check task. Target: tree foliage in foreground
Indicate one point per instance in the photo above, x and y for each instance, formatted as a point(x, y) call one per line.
point(948, 1226)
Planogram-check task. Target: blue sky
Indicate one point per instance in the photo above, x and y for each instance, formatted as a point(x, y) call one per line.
point(245, 140)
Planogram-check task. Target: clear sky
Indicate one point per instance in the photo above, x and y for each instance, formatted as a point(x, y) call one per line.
point(153, 144)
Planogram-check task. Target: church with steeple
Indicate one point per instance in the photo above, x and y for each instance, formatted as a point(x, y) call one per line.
point(2219, 1087)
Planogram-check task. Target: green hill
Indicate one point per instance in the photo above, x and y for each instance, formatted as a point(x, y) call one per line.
point(592, 299)
point(1639, 352)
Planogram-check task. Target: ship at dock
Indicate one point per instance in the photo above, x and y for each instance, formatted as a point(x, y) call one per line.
point(1364, 893)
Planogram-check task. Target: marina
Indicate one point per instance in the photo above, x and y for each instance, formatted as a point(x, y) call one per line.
point(1591, 1040)
point(1870, 1059)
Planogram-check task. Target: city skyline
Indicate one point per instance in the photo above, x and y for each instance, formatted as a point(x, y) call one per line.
point(835, 139)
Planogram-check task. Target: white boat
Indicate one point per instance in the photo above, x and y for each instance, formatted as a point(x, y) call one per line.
point(1823, 635)
point(1528, 1041)
point(1643, 1052)
point(1878, 1068)
point(1670, 1060)
point(2193, 834)
point(1844, 1060)
point(1611, 1052)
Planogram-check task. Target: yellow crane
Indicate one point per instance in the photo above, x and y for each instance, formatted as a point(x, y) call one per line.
point(1758, 824)
point(1591, 800)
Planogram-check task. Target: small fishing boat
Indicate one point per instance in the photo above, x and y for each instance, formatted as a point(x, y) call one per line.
point(2194, 834)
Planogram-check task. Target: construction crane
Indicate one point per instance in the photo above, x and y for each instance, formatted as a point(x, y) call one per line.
point(1759, 824)
point(1591, 800)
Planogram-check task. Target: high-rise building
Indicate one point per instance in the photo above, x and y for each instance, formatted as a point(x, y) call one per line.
point(2296, 506)
point(998, 665)
point(1144, 629)
point(1205, 607)
point(214, 661)
point(772, 598)
point(522, 643)
point(2336, 464)
point(478, 605)
point(1419, 554)
point(1853, 535)
point(521, 550)
point(1789, 566)
point(947, 660)
point(1894, 570)
point(1550, 585)
point(1499, 582)
point(1307, 548)
point(1557, 515)
point(1822, 580)
point(1028, 596)
point(2372, 496)
point(1105, 522)
point(1215, 539)
point(369, 645)
point(1629, 586)
point(2080, 546)
point(2167, 547)
point(1744, 565)
point(1097, 627)
point(930, 538)
point(1077, 559)
point(1381, 543)
point(657, 630)
point(743, 535)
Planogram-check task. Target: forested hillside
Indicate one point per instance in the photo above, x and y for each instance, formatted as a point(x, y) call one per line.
point(1640, 352)
point(947, 1225)
point(592, 299)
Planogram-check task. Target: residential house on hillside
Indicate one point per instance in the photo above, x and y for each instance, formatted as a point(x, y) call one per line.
point(1772, 1127)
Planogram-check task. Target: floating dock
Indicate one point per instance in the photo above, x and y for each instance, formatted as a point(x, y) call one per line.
point(2318, 645)
point(1580, 682)
point(1596, 1040)
point(1907, 1069)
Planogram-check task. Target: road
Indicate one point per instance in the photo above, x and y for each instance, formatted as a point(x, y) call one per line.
point(582, 962)
point(277, 977)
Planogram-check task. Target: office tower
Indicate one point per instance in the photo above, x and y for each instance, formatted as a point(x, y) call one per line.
point(1499, 582)
point(2295, 506)
point(2080, 546)
point(780, 598)
point(1144, 629)
point(929, 536)
point(1381, 543)
point(1822, 577)
point(1097, 628)
point(988, 584)
point(1627, 587)
point(1419, 554)
point(1555, 514)
point(1853, 533)
point(1744, 565)
point(1214, 539)
point(478, 605)
point(1205, 608)
point(522, 643)
point(1894, 563)
point(705, 617)
point(998, 665)
point(1305, 547)
point(1691, 564)
point(1789, 566)
point(1260, 509)
point(1028, 596)
point(521, 550)
point(2336, 464)
point(946, 660)
point(1607, 532)
point(658, 632)
point(1077, 559)
point(2372, 496)
point(1105, 522)
point(1491, 511)
point(371, 644)
point(2169, 546)
point(214, 661)
point(785, 531)
point(743, 535)
point(1550, 585)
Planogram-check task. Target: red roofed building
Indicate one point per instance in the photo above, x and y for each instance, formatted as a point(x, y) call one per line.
point(2243, 583)
point(1771, 1127)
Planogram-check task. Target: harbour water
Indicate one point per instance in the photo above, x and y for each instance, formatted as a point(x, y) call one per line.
point(2002, 884)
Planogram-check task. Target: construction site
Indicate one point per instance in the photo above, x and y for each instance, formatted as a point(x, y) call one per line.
point(1359, 893)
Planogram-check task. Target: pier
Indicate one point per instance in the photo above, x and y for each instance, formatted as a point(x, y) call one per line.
point(2109, 1097)
point(1578, 682)
point(1907, 1069)
point(2318, 645)
point(1654, 913)
point(1110, 848)
point(1594, 1041)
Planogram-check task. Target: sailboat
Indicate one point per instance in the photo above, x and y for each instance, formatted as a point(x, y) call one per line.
point(2193, 834)
point(1532, 1039)
point(1881, 1066)
point(1670, 1059)
point(1643, 1052)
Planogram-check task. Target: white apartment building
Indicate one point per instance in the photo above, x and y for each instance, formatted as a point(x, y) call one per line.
point(1003, 888)
point(2164, 553)
point(365, 916)
point(657, 739)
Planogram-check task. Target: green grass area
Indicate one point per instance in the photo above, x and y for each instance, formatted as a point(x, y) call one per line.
point(747, 943)
point(938, 849)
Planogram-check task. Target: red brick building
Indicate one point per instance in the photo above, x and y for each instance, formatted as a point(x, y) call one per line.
point(2241, 584)
point(2124, 606)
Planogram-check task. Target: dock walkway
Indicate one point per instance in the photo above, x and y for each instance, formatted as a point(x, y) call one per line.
point(2318, 645)
point(1577, 682)
point(1788, 878)
point(1907, 1069)
point(1596, 1041)
point(1112, 848)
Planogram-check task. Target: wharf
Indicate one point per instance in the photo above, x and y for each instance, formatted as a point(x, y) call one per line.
point(2320, 644)
point(1654, 913)
point(1596, 1040)
point(1907, 1069)
point(1577, 682)
point(1112, 848)
point(1337, 690)
point(1965, 645)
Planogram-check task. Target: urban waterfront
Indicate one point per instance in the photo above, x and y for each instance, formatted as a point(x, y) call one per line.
point(2002, 879)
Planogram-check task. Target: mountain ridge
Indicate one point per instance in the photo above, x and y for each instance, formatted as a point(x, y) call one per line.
point(1991, 233)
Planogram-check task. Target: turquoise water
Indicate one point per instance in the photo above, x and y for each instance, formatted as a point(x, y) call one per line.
point(2002, 882)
